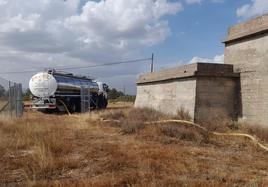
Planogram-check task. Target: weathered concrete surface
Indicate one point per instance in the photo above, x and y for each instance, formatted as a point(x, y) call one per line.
point(168, 96)
point(216, 98)
point(198, 88)
point(248, 29)
point(190, 70)
point(249, 55)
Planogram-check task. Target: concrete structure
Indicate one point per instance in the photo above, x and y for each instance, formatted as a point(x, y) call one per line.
point(247, 49)
point(197, 88)
point(237, 89)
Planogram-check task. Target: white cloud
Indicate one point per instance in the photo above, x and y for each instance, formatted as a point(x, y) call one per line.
point(120, 23)
point(35, 34)
point(20, 23)
point(217, 59)
point(3, 2)
point(193, 1)
point(255, 8)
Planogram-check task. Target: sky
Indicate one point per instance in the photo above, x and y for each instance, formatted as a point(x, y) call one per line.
point(39, 34)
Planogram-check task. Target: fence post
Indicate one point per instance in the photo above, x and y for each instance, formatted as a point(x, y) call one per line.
point(15, 97)
point(18, 97)
point(9, 99)
point(89, 98)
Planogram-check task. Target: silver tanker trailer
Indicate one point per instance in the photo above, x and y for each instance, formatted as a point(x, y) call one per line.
point(53, 90)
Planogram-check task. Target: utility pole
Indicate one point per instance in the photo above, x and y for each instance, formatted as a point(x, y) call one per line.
point(152, 63)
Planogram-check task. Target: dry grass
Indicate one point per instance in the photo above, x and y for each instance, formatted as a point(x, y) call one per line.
point(183, 114)
point(49, 150)
point(183, 133)
point(230, 126)
point(260, 132)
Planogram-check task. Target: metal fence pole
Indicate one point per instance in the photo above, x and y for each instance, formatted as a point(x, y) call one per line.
point(21, 100)
point(89, 99)
point(18, 97)
point(9, 99)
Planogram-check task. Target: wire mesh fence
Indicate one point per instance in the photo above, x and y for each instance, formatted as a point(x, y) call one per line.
point(85, 99)
point(10, 99)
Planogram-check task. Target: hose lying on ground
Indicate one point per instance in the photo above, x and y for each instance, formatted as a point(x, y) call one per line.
point(252, 138)
point(65, 106)
point(188, 123)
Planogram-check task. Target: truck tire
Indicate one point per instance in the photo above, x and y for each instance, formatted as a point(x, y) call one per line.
point(105, 102)
point(74, 106)
point(102, 103)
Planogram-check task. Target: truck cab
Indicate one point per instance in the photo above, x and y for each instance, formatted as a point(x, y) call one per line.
point(103, 95)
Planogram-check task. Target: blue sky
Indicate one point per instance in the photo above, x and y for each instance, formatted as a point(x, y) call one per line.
point(198, 31)
point(38, 34)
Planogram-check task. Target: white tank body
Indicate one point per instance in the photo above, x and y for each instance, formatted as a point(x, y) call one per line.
point(43, 85)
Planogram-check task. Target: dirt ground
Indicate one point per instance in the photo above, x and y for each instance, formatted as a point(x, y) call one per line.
point(86, 150)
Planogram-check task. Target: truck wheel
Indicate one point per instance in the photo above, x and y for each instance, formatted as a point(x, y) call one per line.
point(101, 102)
point(73, 107)
point(78, 106)
point(105, 102)
point(73, 110)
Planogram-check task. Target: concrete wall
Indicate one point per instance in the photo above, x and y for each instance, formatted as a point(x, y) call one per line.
point(207, 91)
point(168, 96)
point(249, 55)
point(248, 29)
point(254, 93)
point(216, 98)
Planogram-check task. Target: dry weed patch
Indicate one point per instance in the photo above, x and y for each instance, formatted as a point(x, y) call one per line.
point(113, 114)
point(261, 132)
point(80, 150)
point(183, 114)
point(182, 133)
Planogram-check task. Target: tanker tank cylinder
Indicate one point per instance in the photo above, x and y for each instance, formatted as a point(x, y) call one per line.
point(51, 87)
point(43, 85)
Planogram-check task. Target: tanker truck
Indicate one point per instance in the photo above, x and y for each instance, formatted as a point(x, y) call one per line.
point(60, 91)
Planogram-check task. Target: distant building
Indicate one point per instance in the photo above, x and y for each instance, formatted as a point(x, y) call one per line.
point(236, 90)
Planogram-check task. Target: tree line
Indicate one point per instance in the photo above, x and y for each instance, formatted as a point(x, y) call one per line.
point(115, 95)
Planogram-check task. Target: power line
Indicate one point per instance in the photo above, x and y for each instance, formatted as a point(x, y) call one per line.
point(18, 72)
point(81, 67)
point(106, 64)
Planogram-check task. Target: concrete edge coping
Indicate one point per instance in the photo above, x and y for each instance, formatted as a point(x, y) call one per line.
point(245, 35)
point(189, 71)
point(247, 29)
point(233, 75)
